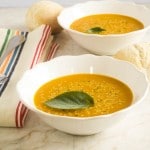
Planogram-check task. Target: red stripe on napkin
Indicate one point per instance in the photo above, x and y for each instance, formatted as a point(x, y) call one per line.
point(52, 51)
point(46, 35)
point(21, 113)
point(40, 47)
point(21, 110)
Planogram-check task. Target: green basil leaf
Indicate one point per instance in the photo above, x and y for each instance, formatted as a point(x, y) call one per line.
point(71, 100)
point(95, 30)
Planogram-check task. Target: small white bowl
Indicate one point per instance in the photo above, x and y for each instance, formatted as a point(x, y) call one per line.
point(105, 44)
point(64, 65)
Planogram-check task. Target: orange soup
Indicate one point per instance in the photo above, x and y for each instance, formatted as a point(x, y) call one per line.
point(109, 94)
point(109, 23)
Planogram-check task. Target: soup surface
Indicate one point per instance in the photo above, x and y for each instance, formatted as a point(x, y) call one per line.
point(109, 94)
point(111, 23)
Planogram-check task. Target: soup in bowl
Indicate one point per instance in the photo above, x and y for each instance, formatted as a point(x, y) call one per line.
point(106, 24)
point(83, 94)
point(104, 27)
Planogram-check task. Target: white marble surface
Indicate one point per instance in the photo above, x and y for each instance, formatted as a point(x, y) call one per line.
point(27, 3)
point(133, 133)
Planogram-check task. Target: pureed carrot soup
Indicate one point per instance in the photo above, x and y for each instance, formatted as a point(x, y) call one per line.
point(109, 94)
point(106, 24)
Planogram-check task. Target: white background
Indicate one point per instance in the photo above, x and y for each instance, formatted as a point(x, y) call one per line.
point(26, 3)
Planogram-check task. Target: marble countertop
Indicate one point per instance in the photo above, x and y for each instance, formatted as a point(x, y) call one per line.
point(133, 133)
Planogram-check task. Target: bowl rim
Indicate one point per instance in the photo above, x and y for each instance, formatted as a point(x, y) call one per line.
point(33, 107)
point(99, 35)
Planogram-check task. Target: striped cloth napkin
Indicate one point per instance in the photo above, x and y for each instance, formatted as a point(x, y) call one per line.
point(38, 47)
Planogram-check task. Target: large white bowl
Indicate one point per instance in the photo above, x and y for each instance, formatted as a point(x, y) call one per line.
point(105, 44)
point(64, 65)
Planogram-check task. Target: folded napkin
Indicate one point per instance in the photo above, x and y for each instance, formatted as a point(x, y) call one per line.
point(38, 47)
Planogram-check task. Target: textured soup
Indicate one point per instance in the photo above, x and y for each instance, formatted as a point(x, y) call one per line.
point(109, 94)
point(112, 23)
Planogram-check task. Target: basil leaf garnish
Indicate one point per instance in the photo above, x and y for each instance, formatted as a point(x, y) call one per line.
point(95, 30)
point(71, 100)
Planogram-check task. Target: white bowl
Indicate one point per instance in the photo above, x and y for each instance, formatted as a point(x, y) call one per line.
point(105, 44)
point(64, 65)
